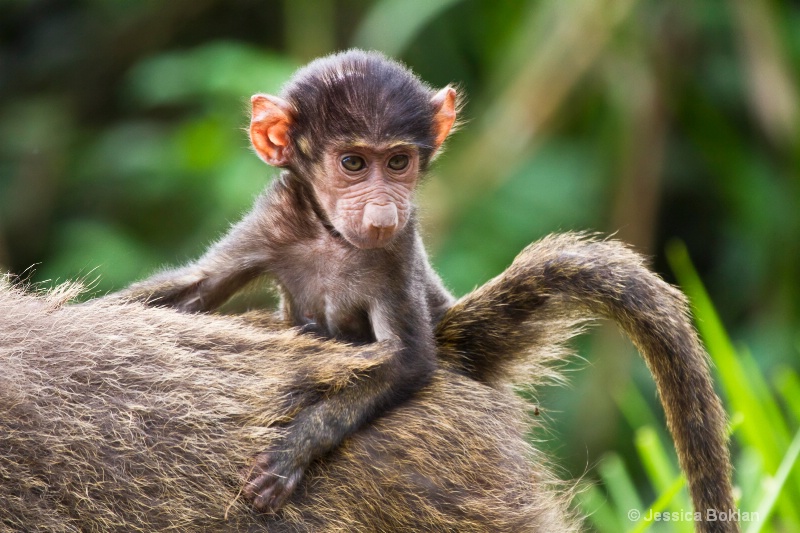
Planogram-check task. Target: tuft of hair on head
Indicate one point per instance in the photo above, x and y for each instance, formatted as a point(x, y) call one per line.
point(359, 94)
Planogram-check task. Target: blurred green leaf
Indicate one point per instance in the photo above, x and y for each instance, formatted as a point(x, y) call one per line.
point(392, 24)
point(524, 207)
point(620, 486)
point(660, 505)
point(97, 252)
point(217, 69)
point(788, 384)
point(595, 506)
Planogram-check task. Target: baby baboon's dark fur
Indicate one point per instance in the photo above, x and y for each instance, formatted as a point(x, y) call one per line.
point(118, 417)
point(337, 233)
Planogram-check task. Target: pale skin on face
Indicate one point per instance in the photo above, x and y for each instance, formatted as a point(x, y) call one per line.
point(368, 190)
point(365, 189)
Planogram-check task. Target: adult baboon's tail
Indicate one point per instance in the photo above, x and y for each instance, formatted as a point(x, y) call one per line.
point(565, 278)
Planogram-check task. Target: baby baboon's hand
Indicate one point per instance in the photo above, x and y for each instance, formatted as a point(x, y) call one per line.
point(272, 479)
point(314, 329)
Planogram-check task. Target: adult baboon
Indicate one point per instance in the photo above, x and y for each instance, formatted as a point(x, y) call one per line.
point(117, 416)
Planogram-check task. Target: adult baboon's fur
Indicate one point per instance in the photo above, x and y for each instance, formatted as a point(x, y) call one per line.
point(114, 416)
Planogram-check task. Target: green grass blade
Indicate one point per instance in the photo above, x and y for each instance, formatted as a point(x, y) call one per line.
point(659, 505)
point(788, 384)
point(621, 489)
point(599, 511)
point(775, 486)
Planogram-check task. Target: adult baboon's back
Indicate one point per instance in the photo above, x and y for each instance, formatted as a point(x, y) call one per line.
point(117, 416)
point(120, 417)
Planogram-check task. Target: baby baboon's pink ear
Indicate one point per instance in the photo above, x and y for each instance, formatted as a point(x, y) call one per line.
point(269, 129)
point(444, 102)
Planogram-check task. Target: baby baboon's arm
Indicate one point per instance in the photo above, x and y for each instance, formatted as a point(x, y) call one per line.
point(239, 257)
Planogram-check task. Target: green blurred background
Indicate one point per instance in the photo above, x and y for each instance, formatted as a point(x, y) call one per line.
point(122, 150)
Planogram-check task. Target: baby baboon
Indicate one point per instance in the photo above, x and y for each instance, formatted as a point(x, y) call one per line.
point(114, 416)
point(354, 132)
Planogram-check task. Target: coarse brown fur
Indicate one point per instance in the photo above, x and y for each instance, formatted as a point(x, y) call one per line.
point(117, 417)
point(113, 416)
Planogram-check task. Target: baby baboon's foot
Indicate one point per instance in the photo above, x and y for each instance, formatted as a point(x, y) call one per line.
point(272, 479)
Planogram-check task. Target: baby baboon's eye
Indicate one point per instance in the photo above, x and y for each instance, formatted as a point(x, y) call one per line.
point(398, 162)
point(353, 163)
